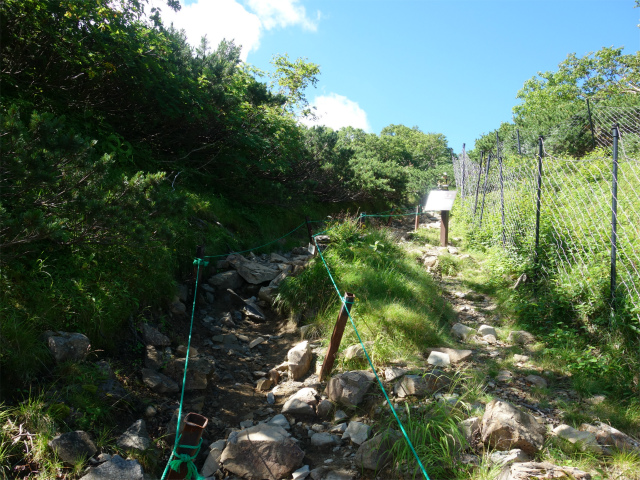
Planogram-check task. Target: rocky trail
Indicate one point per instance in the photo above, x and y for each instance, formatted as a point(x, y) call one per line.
point(253, 374)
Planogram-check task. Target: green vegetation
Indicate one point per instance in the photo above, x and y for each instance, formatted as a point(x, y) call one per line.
point(124, 148)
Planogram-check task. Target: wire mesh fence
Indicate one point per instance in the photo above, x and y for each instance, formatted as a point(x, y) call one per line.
point(586, 241)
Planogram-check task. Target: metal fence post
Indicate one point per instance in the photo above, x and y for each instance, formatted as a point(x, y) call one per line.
point(504, 238)
point(484, 190)
point(464, 164)
point(539, 197)
point(614, 217)
point(593, 135)
point(475, 206)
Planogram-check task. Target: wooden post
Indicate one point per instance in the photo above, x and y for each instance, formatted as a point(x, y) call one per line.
point(194, 425)
point(417, 217)
point(390, 216)
point(444, 228)
point(336, 337)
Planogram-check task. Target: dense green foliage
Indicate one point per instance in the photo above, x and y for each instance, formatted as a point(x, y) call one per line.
point(123, 147)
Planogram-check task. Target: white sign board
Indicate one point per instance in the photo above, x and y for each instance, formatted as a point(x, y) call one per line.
point(440, 200)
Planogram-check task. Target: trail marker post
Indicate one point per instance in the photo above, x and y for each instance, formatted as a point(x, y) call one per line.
point(442, 200)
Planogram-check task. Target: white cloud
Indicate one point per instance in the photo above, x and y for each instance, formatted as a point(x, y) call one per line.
point(229, 19)
point(337, 111)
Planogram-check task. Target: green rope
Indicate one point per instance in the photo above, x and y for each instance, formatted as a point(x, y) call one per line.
point(198, 262)
point(181, 458)
point(393, 410)
point(256, 248)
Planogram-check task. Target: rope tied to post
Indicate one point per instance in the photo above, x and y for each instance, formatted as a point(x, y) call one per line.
point(200, 261)
point(180, 458)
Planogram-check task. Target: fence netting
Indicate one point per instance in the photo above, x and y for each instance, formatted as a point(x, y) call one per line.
point(498, 195)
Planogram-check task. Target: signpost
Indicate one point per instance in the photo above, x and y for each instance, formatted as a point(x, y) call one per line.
point(442, 200)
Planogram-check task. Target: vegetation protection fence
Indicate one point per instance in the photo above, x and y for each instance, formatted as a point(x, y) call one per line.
point(576, 221)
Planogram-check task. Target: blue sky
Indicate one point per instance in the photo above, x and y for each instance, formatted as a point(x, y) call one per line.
point(446, 66)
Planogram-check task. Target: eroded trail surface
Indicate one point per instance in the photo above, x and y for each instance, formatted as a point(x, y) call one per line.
point(252, 373)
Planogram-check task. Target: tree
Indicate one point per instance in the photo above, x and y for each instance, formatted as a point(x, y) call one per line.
point(291, 79)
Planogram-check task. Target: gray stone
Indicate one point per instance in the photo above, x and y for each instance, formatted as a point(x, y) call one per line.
point(264, 384)
point(212, 462)
point(261, 452)
point(200, 370)
point(421, 385)
point(267, 294)
point(301, 403)
point(512, 456)
point(324, 440)
point(275, 283)
point(504, 376)
point(224, 280)
point(178, 308)
point(299, 360)
point(536, 380)
point(159, 382)
point(67, 346)
point(487, 330)
point(505, 427)
point(585, 440)
point(277, 258)
point(301, 473)
point(520, 337)
point(340, 416)
point(116, 468)
point(391, 373)
point(358, 432)
point(438, 359)
point(520, 358)
point(375, 453)
point(357, 351)
point(181, 351)
point(469, 427)
point(540, 471)
point(608, 437)
point(256, 341)
point(462, 332)
point(280, 421)
point(136, 437)
point(256, 273)
point(271, 398)
point(349, 388)
point(152, 336)
point(73, 447)
point(324, 408)
point(153, 358)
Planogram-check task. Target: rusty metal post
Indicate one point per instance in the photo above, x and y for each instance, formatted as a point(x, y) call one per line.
point(307, 220)
point(336, 337)
point(200, 255)
point(417, 217)
point(390, 216)
point(194, 425)
point(444, 228)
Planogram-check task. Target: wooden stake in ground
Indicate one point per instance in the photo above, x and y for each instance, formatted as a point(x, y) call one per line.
point(336, 337)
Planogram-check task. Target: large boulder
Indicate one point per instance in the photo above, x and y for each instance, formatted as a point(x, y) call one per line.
point(224, 280)
point(256, 273)
point(541, 471)
point(349, 388)
point(67, 346)
point(505, 427)
point(375, 453)
point(261, 452)
point(72, 447)
point(299, 358)
point(117, 468)
point(421, 385)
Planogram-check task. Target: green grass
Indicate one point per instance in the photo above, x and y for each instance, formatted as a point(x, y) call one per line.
point(397, 305)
